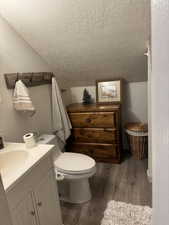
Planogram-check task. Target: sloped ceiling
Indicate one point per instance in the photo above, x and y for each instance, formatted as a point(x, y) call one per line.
point(85, 40)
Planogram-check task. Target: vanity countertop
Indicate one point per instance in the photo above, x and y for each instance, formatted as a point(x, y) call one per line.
point(16, 161)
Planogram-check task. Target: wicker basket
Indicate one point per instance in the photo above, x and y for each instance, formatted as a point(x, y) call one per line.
point(137, 135)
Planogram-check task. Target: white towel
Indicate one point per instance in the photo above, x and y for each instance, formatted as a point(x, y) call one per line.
point(21, 99)
point(60, 119)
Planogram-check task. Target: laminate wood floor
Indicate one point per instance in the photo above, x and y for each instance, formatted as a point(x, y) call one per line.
point(125, 182)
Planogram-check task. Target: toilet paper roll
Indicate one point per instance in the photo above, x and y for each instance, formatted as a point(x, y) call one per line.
point(29, 140)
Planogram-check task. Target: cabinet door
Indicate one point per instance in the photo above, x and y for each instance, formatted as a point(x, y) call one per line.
point(4, 209)
point(24, 213)
point(47, 201)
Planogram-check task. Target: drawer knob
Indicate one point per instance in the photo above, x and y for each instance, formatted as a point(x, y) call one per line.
point(88, 120)
point(32, 213)
point(39, 204)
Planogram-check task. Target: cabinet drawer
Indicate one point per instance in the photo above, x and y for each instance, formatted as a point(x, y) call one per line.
point(93, 119)
point(97, 151)
point(95, 135)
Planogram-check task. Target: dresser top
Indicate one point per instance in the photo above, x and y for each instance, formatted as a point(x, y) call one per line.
point(79, 107)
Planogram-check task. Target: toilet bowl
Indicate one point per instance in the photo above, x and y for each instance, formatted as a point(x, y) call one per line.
point(73, 171)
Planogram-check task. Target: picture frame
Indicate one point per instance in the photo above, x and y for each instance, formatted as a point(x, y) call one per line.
point(109, 91)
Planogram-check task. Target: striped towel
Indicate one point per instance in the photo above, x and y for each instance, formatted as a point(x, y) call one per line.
point(21, 99)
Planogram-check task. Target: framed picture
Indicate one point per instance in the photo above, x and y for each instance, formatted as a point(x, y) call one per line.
point(108, 91)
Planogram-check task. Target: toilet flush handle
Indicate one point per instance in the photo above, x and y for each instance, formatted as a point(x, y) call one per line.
point(59, 176)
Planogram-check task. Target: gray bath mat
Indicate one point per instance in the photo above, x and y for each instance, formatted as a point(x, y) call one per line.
point(120, 213)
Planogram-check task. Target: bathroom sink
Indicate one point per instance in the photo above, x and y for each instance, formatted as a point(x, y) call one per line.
point(10, 161)
point(16, 160)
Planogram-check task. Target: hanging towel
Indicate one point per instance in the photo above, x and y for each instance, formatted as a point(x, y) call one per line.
point(60, 119)
point(21, 99)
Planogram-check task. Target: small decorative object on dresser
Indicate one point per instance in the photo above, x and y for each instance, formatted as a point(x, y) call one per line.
point(108, 91)
point(87, 99)
point(96, 131)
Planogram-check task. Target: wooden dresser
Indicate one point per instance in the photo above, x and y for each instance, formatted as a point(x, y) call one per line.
point(96, 131)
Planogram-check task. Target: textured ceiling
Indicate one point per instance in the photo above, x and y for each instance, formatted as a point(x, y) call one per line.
point(85, 40)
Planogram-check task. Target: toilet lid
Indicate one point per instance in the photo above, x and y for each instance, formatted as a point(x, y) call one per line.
point(69, 162)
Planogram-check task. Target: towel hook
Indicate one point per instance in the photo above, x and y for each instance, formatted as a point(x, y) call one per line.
point(17, 77)
point(31, 78)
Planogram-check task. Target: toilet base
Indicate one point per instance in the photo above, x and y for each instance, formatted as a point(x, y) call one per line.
point(75, 188)
point(80, 191)
point(75, 191)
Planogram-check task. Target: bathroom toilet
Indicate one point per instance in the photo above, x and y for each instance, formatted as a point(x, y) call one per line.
point(73, 171)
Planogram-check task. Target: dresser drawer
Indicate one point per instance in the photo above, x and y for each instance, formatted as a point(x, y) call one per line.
point(93, 119)
point(100, 152)
point(95, 135)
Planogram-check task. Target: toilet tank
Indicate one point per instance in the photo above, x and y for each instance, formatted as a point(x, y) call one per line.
point(47, 139)
point(50, 139)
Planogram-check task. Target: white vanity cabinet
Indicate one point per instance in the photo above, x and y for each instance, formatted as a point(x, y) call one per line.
point(24, 213)
point(33, 200)
point(45, 200)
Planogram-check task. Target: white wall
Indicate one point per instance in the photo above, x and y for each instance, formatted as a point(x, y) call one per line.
point(160, 110)
point(134, 104)
point(17, 56)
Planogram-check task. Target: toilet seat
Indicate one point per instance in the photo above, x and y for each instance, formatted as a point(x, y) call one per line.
point(74, 163)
